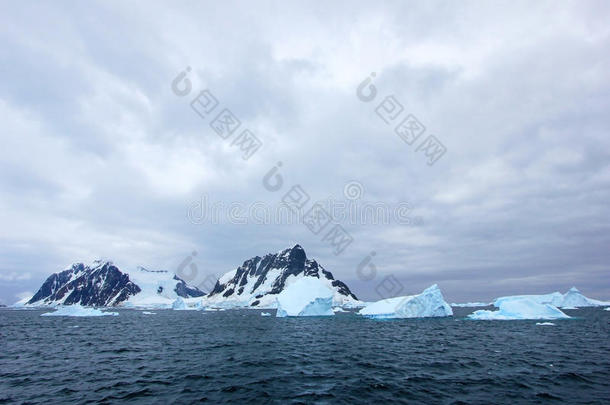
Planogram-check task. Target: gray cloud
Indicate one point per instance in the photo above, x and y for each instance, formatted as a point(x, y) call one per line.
point(101, 159)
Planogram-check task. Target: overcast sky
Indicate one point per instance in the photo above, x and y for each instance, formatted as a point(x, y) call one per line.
point(100, 158)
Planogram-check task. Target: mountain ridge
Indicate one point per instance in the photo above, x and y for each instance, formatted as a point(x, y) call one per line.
point(259, 280)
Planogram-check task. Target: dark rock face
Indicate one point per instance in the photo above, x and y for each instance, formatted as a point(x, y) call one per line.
point(101, 285)
point(292, 261)
point(185, 291)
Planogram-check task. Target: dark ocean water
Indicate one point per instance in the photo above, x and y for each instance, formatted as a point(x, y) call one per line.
point(241, 357)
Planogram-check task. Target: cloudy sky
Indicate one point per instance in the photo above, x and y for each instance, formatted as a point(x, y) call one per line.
point(100, 157)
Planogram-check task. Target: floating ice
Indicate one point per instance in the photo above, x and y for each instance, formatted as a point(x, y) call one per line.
point(180, 305)
point(265, 314)
point(545, 323)
point(306, 296)
point(472, 304)
point(573, 298)
point(430, 303)
point(555, 299)
point(570, 300)
point(149, 313)
point(77, 310)
point(607, 309)
point(522, 308)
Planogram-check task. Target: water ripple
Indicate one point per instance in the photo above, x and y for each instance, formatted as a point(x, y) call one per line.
point(239, 357)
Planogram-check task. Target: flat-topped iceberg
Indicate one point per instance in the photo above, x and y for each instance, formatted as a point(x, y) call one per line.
point(77, 310)
point(518, 309)
point(570, 300)
point(471, 304)
point(430, 303)
point(306, 296)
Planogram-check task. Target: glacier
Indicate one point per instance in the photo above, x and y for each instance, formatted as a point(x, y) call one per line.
point(306, 296)
point(430, 303)
point(517, 309)
point(160, 289)
point(78, 311)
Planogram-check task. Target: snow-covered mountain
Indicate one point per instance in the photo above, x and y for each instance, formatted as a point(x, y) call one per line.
point(104, 284)
point(259, 280)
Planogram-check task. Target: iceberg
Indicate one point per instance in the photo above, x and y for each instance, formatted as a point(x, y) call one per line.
point(430, 303)
point(574, 299)
point(77, 310)
point(472, 304)
point(555, 299)
point(306, 296)
point(517, 309)
point(265, 314)
point(339, 309)
point(180, 305)
point(570, 300)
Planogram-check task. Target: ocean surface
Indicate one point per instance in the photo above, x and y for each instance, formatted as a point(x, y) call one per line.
point(242, 357)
